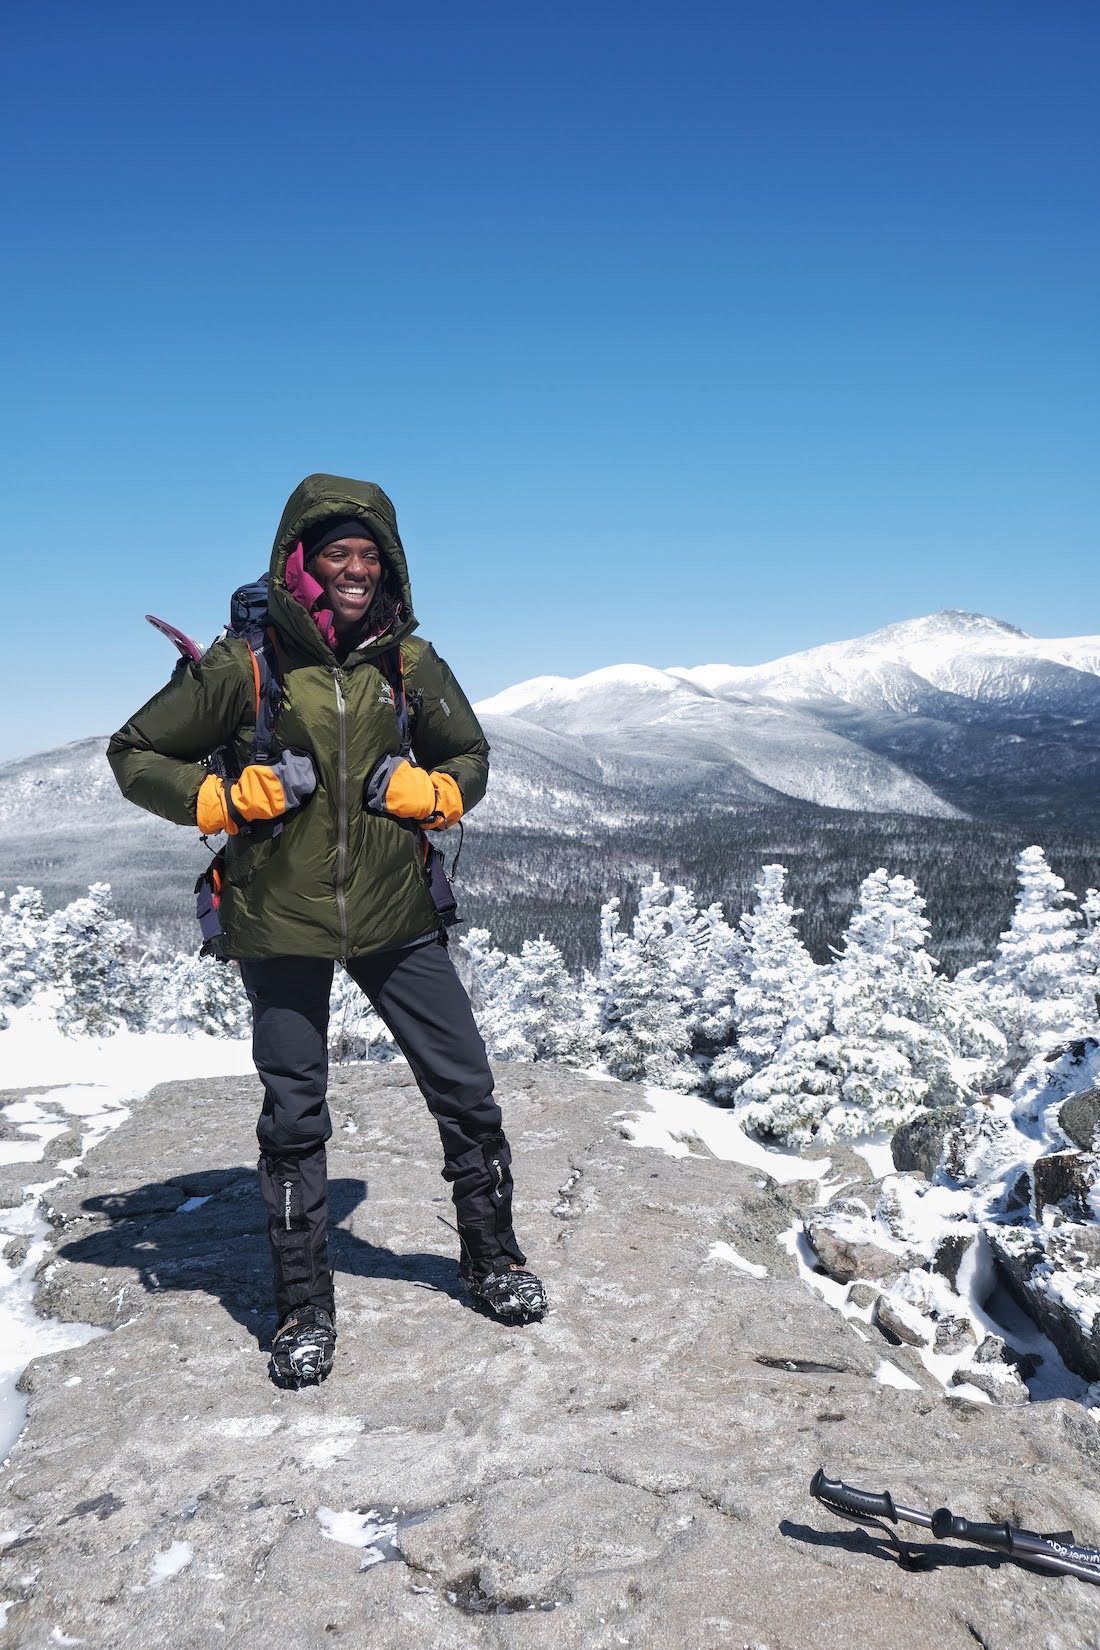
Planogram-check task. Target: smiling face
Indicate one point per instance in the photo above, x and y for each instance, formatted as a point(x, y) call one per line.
point(348, 571)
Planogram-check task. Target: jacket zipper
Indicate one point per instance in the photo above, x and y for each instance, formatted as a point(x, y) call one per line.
point(341, 811)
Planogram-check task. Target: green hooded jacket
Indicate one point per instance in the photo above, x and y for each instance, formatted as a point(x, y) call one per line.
point(336, 881)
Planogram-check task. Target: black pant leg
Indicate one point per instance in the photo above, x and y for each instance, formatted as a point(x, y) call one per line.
point(289, 998)
point(420, 998)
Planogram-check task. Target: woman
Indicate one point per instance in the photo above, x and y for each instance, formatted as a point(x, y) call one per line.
point(324, 862)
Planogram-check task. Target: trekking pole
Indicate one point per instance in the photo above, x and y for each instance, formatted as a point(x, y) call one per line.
point(1058, 1553)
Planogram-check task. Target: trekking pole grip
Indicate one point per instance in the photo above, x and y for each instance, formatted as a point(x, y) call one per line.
point(834, 1493)
point(948, 1525)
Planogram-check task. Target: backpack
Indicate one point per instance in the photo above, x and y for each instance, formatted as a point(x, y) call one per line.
point(250, 623)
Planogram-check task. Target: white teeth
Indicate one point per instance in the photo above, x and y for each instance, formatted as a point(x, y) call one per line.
point(352, 590)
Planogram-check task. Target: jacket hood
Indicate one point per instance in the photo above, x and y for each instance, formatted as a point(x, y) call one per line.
point(316, 499)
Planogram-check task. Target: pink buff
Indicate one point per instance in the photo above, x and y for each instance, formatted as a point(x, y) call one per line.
point(307, 592)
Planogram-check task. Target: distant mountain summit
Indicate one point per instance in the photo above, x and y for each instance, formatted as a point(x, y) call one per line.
point(951, 651)
point(951, 713)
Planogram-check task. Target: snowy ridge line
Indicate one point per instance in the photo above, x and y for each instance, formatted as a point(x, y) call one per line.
point(820, 726)
point(86, 1085)
point(935, 649)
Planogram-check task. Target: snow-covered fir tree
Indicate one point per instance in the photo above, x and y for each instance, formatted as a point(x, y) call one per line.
point(1039, 991)
point(355, 1031)
point(529, 1007)
point(718, 961)
point(646, 987)
point(192, 993)
point(88, 948)
point(978, 1046)
point(894, 1057)
point(1090, 948)
point(24, 959)
point(865, 1047)
point(772, 974)
point(789, 1096)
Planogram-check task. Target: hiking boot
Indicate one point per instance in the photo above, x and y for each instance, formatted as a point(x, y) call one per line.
point(303, 1348)
point(511, 1293)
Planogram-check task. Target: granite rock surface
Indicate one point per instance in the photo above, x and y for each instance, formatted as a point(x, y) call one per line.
point(632, 1471)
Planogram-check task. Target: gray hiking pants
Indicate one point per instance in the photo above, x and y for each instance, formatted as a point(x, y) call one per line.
point(417, 994)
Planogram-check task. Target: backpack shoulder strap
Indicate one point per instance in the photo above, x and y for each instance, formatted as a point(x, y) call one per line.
point(392, 665)
point(267, 671)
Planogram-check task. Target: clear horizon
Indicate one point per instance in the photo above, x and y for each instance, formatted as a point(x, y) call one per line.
point(694, 338)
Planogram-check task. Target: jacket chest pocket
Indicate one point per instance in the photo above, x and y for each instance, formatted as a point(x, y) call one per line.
point(372, 724)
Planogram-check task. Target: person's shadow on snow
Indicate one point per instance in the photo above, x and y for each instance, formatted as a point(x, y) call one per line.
point(208, 1231)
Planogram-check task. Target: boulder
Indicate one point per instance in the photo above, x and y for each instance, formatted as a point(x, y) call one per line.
point(1024, 1260)
point(1001, 1384)
point(902, 1320)
point(848, 1250)
point(919, 1145)
point(1079, 1118)
point(949, 1254)
point(994, 1349)
point(1065, 1180)
point(953, 1334)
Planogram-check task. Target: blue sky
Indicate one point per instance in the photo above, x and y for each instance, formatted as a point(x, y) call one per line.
point(678, 334)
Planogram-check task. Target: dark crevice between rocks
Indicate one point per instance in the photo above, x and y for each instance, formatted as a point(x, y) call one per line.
point(976, 1636)
point(468, 1597)
point(801, 1366)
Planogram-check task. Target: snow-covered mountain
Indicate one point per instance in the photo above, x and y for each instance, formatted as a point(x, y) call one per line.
point(951, 713)
point(948, 719)
point(940, 662)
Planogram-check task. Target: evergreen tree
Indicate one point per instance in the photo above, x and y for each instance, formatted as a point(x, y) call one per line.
point(774, 969)
point(529, 1007)
point(480, 965)
point(24, 961)
point(894, 1057)
point(1090, 949)
point(1038, 985)
point(355, 1031)
point(979, 1047)
point(787, 1098)
point(718, 963)
point(865, 1046)
point(87, 950)
point(645, 988)
point(191, 993)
